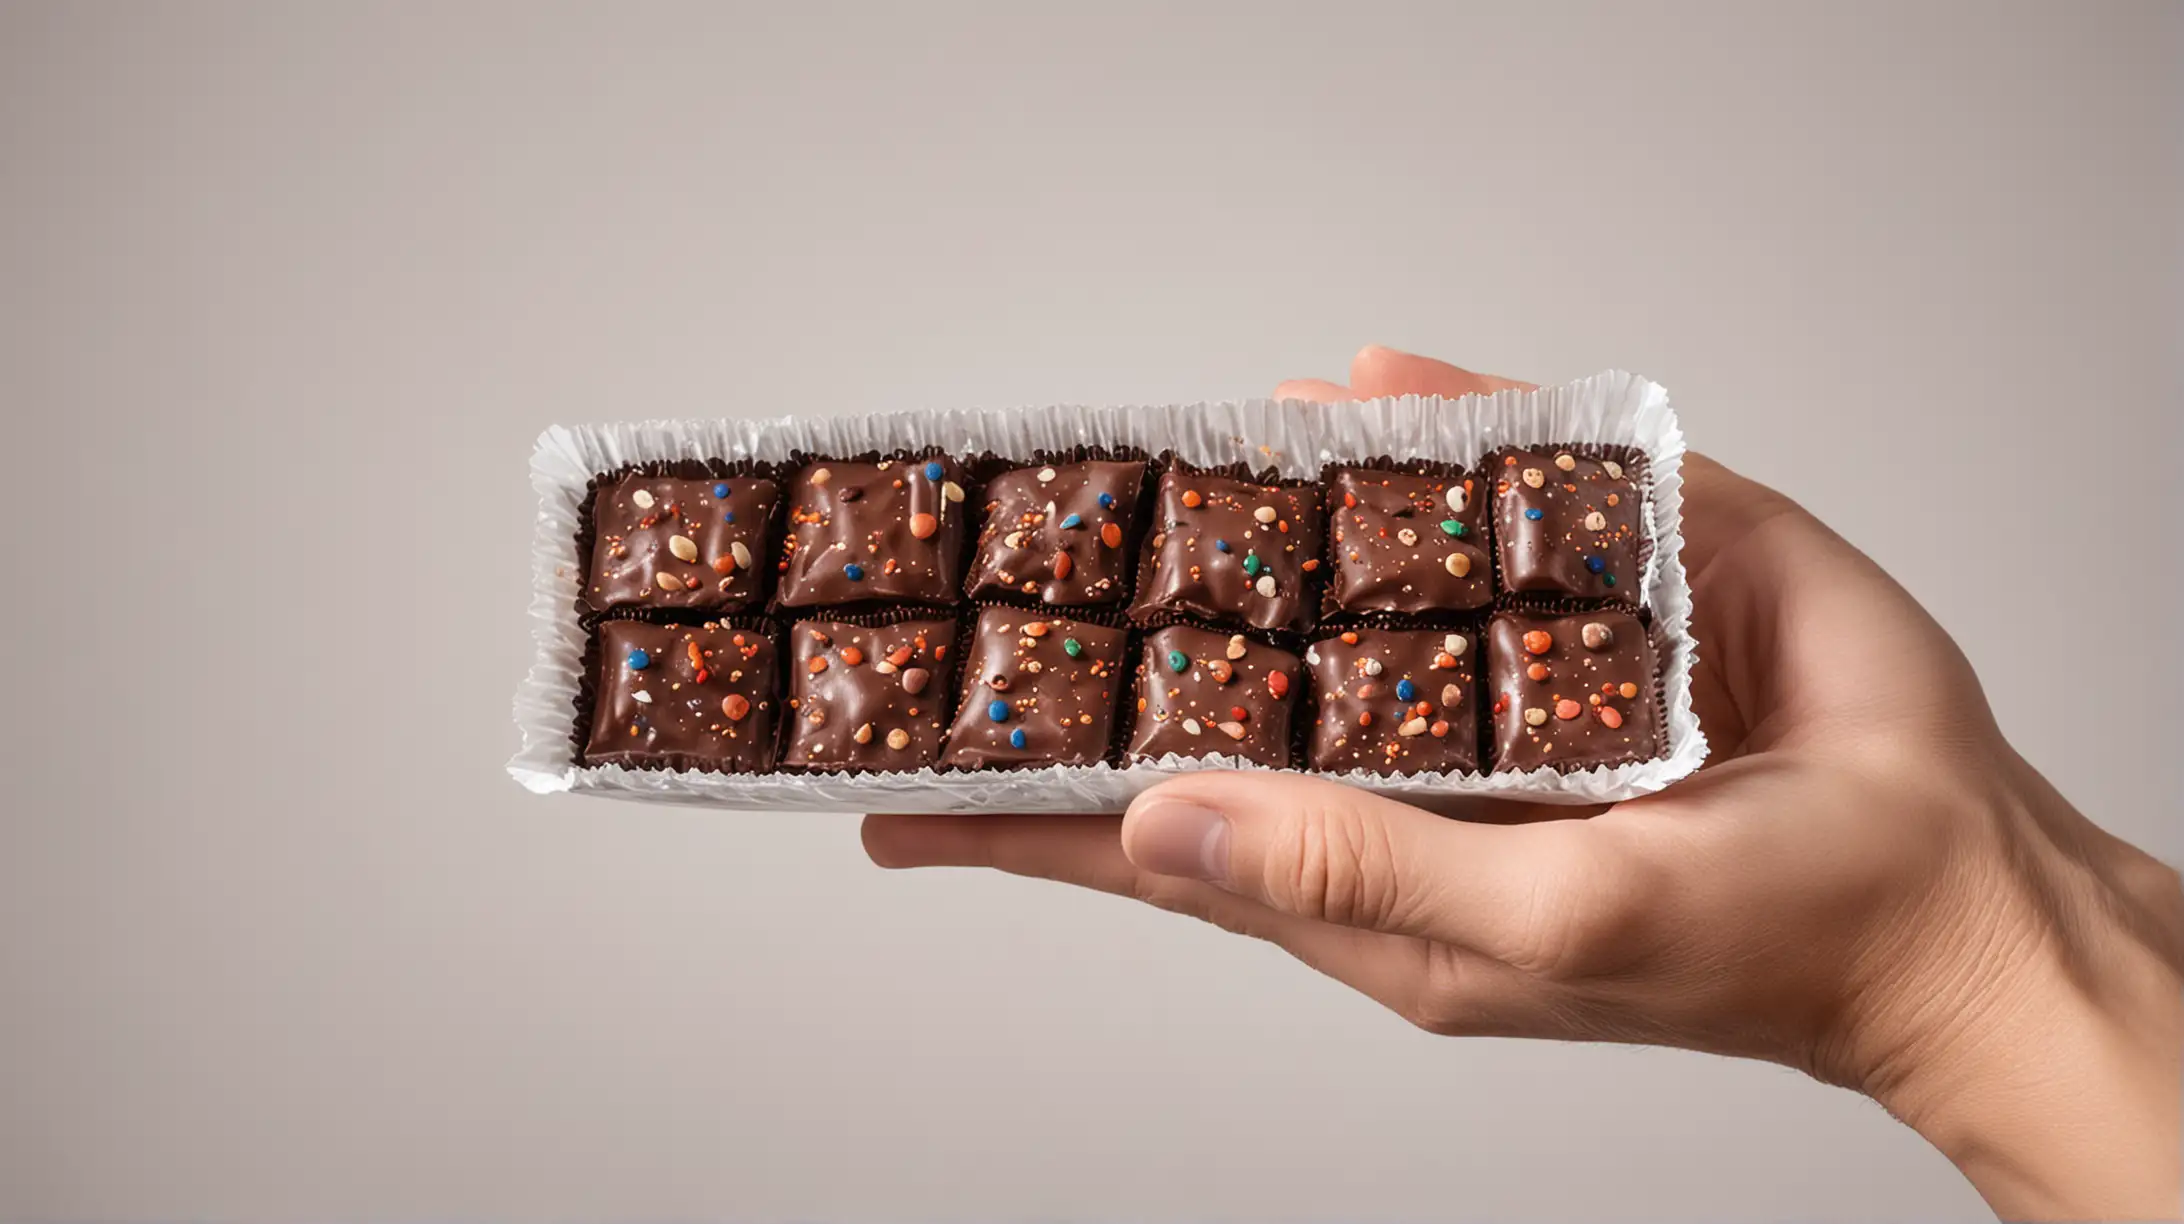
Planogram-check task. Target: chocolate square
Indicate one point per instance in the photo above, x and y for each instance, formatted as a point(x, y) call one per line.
point(683, 697)
point(1037, 690)
point(1395, 701)
point(1061, 532)
point(1202, 693)
point(889, 531)
point(1409, 543)
point(1567, 525)
point(869, 699)
point(664, 542)
point(1231, 551)
point(1570, 691)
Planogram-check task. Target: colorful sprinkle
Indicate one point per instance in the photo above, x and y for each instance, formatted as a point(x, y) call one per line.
point(933, 470)
point(1610, 717)
point(853, 571)
point(639, 660)
point(1178, 662)
point(1538, 641)
point(998, 711)
point(1072, 647)
point(1017, 738)
point(727, 516)
point(922, 526)
point(1452, 527)
point(1220, 546)
point(1595, 564)
point(1277, 683)
point(1608, 579)
point(736, 706)
point(1073, 522)
point(1405, 690)
point(1533, 513)
point(1191, 499)
point(1107, 501)
point(720, 492)
point(1252, 564)
point(1567, 709)
point(1111, 535)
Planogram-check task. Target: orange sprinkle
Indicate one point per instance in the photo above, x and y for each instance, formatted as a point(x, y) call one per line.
point(852, 656)
point(1035, 629)
point(1349, 639)
point(818, 664)
point(1111, 535)
point(1439, 729)
point(1538, 641)
point(1628, 689)
point(1310, 564)
point(1609, 718)
point(1364, 718)
point(1537, 671)
point(1567, 709)
point(1062, 565)
point(1192, 499)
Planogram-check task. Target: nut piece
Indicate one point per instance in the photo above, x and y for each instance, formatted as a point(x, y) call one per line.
point(1406, 537)
point(914, 680)
point(1411, 726)
point(642, 499)
point(822, 476)
point(1265, 514)
point(862, 734)
point(898, 739)
point(1596, 521)
point(1534, 478)
point(1265, 585)
point(684, 548)
point(1237, 645)
point(951, 491)
point(1597, 636)
point(666, 581)
point(736, 706)
point(1535, 717)
point(1566, 461)
point(1458, 564)
point(1234, 730)
point(741, 554)
point(1615, 470)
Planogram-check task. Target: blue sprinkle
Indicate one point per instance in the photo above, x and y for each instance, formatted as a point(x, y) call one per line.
point(998, 711)
point(1405, 691)
point(1074, 520)
point(933, 470)
point(639, 660)
point(1534, 514)
point(727, 516)
point(1017, 738)
point(1595, 564)
point(1221, 545)
point(1107, 501)
point(720, 492)
point(853, 571)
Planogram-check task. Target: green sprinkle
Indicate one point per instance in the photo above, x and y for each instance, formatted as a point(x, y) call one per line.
point(1453, 527)
point(1608, 578)
point(1251, 564)
point(1178, 662)
point(1072, 647)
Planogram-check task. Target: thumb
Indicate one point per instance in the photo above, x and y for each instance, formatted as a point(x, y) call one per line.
point(1321, 850)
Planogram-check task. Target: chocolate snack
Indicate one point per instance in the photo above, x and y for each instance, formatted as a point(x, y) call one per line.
point(1395, 701)
point(1570, 691)
point(887, 530)
point(869, 699)
point(1037, 690)
point(683, 697)
point(669, 543)
point(1408, 543)
point(1566, 525)
point(1202, 693)
point(1231, 551)
point(1060, 532)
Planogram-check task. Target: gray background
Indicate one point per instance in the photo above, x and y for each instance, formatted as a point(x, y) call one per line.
point(287, 290)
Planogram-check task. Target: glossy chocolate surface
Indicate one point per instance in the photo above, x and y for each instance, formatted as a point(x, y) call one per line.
point(891, 530)
point(870, 699)
point(1406, 543)
point(1061, 532)
point(1566, 525)
point(1203, 693)
point(1570, 691)
point(1395, 701)
point(1038, 690)
point(662, 542)
point(1231, 551)
point(684, 697)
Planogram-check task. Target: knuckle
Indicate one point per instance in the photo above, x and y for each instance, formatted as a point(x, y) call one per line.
point(1334, 864)
point(1596, 914)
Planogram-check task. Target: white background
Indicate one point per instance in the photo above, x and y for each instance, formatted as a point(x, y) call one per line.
point(286, 290)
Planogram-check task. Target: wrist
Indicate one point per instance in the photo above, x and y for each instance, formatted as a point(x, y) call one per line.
point(2037, 1037)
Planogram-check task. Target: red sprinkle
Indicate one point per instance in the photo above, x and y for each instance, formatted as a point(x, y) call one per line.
point(1239, 713)
point(1278, 683)
point(1538, 641)
point(1111, 535)
point(1567, 709)
point(1609, 718)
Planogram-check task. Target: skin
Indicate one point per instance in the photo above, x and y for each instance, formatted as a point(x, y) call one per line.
point(1866, 882)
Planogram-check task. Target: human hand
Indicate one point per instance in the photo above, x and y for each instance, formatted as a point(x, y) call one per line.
point(1866, 882)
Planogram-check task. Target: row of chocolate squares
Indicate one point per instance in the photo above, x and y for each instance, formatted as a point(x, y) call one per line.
point(1067, 535)
point(1037, 689)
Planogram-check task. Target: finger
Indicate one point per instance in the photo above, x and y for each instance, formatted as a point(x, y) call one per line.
point(1437, 987)
point(1378, 370)
point(1520, 893)
point(1317, 390)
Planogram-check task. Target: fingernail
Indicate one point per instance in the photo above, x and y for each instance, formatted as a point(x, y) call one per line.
point(1182, 839)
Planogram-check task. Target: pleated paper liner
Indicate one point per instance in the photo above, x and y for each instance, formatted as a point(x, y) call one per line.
point(587, 527)
point(586, 699)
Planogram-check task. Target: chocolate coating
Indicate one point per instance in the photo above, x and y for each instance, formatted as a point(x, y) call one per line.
point(1022, 546)
point(1365, 722)
point(1400, 539)
point(638, 520)
point(855, 533)
point(869, 699)
point(1194, 712)
point(1584, 705)
point(703, 698)
point(1210, 555)
point(1061, 704)
point(1566, 530)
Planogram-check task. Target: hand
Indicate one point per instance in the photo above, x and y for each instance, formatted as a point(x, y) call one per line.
point(1866, 882)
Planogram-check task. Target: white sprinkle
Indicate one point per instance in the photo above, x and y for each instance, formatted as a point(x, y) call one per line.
point(1615, 470)
point(1455, 644)
point(1265, 585)
point(1406, 537)
point(642, 498)
point(1190, 726)
point(1046, 475)
point(1311, 655)
point(1371, 666)
point(1457, 498)
point(641, 697)
point(1265, 514)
